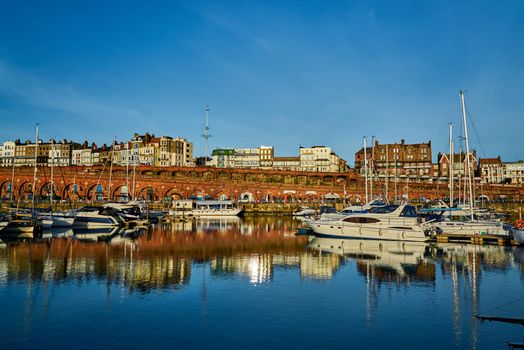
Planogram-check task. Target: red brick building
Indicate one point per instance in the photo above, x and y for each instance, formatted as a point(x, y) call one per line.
point(400, 160)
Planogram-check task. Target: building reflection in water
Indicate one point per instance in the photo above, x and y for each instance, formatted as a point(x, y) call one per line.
point(158, 258)
point(162, 258)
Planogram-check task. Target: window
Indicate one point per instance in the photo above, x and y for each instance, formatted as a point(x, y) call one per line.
point(384, 209)
point(361, 220)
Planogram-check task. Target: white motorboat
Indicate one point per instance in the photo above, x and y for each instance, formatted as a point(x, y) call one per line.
point(518, 235)
point(353, 209)
point(18, 227)
point(62, 220)
point(95, 217)
point(53, 220)
point(390, 222)
point(304, 211)
point(205, 208)
point(127, 211)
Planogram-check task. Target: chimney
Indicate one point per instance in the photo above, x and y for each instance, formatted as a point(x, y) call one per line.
point(402, 142)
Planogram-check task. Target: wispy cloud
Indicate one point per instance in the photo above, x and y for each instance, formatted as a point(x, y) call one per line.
point(255, 41)
point(24, 86)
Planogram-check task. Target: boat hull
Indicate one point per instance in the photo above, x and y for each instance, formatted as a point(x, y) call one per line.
point(94, 222)
point(471, 229)
point(332, 230)
point(63, 221)
point(207, 213)
point(18, 232)
point(518, 235)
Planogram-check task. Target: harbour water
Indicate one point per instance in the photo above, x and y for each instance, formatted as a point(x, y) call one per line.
point(251, 283)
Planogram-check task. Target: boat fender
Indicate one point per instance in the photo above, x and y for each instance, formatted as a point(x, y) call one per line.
point(519, 224)
point(438, 230)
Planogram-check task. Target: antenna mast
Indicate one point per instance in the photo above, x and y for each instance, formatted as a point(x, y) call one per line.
point(206, 135)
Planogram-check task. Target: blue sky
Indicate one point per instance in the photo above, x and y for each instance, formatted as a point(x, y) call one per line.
point(282, 73)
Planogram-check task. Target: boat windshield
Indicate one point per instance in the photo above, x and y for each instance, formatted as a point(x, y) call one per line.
point(409, 211)
point(325, 209)
point(383, 210)
point(89, 209)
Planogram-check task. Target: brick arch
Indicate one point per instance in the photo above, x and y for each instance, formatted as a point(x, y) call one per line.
point(220, 193)
point(4, 185)
point(46, 186)
point(20, 190)
point(173, 192)
point(289, 197)
point(198, 191)
point(91, 190)
point(117, 187)
point(246, 195)
point(67, 191)
point(143, 192)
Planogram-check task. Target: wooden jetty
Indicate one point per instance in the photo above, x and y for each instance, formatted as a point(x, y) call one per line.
point(475, 239)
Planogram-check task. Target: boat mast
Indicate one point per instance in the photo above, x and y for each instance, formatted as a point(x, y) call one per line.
point(395, 164)
point(387, 174)
point(372, 166)
point(12, 179)
point(134, 173)
point(459, 175)
point(34, 174)
point(470, 187)
point(127, 171)
point(111, 169)
point(52, 178)
point(450, 163)
point(366, 168)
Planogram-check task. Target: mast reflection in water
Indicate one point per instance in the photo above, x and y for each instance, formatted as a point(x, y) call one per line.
point(251, 283)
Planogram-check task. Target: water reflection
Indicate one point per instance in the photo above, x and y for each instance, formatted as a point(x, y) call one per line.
point(161, 256)
point(253, 251)
point(157, 258)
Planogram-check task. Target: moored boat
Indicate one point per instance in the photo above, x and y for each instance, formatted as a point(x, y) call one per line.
point(390, 222)
point(94, 217)
point(205, 208)
point(304, 211)
point(353, 209)
point(518, 231)
point(18, 227)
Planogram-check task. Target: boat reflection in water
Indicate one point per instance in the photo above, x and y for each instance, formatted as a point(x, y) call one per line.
point(170, 271)
point(393, 260)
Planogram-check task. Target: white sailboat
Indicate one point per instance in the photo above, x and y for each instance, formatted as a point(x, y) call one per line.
point(469, 224)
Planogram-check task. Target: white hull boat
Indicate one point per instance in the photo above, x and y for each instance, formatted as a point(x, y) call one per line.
point(351, 210)
point(470, 228)
point(392, 222)
point(94, 217)
point(518, 235)
point(189, 208)
point(304, 211)
point(62, 221)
